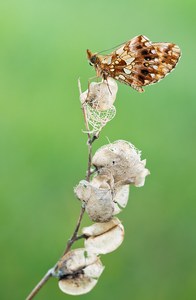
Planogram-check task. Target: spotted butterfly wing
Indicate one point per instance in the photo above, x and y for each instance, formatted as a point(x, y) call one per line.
point(137, 63)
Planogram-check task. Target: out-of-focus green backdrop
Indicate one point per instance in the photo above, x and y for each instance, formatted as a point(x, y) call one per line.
point(43, 152)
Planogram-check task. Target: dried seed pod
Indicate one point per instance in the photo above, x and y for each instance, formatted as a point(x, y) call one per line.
point(123, 161)
point(99, 228)
point(104, 237)
point(78, 271)
point(121, 196)
point(100, 96)
point(98, 119)
point(74, 260)
point(102, 181)
point(120, 193)
point(99, 204)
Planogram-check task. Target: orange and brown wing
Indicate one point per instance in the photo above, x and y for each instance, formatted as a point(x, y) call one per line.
point(138, 63)
point(143, 63)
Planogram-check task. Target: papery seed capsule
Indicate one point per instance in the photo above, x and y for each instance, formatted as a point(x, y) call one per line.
point(100, 95)
point(98, 202)
point(78, 271)
point(104, 237)
point(123, 161)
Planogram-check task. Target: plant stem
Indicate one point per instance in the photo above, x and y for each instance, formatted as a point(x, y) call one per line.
point(40, 284)
point(75, 234)
point(75, 237)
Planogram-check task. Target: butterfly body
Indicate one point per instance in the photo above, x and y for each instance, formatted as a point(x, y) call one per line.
point(137, 63)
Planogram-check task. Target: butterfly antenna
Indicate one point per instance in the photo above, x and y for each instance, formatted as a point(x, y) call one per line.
point(111, 48)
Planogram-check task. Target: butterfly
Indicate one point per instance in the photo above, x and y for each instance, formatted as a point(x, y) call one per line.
point(137, 63)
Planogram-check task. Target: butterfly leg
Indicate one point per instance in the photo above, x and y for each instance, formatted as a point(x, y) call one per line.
point(137, 88)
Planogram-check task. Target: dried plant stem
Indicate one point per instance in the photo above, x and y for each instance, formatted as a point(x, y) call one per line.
point(75, 237)
point(75, 234)
point(40, 284)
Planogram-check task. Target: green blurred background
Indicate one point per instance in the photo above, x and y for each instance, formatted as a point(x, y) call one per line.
point(43, 152)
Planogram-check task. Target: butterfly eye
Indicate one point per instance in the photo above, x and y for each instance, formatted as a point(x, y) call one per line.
point(93, 59)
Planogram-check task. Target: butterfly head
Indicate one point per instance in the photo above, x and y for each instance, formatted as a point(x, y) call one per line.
point(92, 58)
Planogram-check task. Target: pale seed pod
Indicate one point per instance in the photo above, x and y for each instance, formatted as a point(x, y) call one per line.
point(100, 96)
point(78, 271)
point(121, 197)
point(98, 202)
point(102, 181)
point(120, 193)
point(104, 238)
point(123, 161)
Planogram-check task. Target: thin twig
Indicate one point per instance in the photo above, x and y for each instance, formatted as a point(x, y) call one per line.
point(75, 237)
point(40, 284)
point(75, 234)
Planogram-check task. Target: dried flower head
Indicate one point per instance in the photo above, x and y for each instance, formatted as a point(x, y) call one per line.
point(78, 271)
point(123, 161)
point(98, 202)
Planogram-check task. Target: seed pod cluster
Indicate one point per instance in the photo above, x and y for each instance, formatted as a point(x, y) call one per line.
point(79, 270)
point(118, 165)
